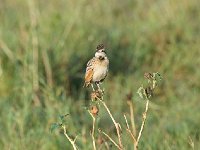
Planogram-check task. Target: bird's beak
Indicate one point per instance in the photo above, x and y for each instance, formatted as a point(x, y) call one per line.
point(101, 57)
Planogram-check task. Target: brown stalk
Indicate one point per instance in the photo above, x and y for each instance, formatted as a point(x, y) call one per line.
point(69, 139)
point(143, 120)
point(144, 116)
point(129, 131)
point(117, 125)
point(132, 117)
point(93, 130)
point(136, 140)
point(110, 139)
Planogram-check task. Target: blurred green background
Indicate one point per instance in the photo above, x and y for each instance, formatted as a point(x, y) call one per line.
point(44, 48)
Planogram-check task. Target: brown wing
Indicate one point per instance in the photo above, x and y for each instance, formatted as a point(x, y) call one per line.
point(89, 72)
point(88, 77)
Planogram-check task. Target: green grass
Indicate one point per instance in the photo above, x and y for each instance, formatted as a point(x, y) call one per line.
point(141, 36)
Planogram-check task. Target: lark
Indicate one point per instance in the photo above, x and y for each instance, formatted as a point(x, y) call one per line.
point(97, 68)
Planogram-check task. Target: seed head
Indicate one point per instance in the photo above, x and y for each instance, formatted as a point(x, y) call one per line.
point(94, 110)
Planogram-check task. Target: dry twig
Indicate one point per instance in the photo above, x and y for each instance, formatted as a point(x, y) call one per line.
point(136, 140)
point(93, 130)
point(132, 117)
point(144, 93)
point(143, 123)
point(117, 125)
point(110, 139)
point(69, 139)
point(129, 131)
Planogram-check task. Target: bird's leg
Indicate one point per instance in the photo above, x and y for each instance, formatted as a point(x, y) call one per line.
point(92, 87)
point(99, 88)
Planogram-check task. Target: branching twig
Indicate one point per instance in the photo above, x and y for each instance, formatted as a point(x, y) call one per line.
point(132, 117)
point(129, 131)
point(136, 140)
point(144, 93)
point(117, 125)
point(143, 120)
point(142, 126)
point(93, 130)
point(110, 139)
point(69, 139)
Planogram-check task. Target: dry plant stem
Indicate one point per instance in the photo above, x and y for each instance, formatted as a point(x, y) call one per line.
point(93, 129)
point(112, 140)
point(115, 123)
point(106, 145)
point(142, 126)
point(132, 117)
point(129, 131)
point(69, 139)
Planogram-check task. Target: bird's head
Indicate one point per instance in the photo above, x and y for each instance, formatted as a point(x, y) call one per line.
point(100, 52)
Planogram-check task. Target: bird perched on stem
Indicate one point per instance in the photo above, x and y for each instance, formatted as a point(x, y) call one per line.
point(97, 68)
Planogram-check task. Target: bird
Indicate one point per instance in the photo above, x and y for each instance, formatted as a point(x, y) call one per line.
point(97, 68)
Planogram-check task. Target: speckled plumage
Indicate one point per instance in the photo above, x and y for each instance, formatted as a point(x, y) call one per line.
point(97, 67)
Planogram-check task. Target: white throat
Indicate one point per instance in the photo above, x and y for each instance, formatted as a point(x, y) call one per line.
point(100, 54)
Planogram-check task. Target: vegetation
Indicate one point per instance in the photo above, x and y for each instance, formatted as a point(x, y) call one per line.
point(44, 48)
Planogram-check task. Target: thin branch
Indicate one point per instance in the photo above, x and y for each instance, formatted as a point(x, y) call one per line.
point(132, 117)
point(111, 139)
point(129, 131)
point(127, 125)
point(115, 123)
point(143, 123)
point(69, 139)
point(107, 146)
point(93, 130)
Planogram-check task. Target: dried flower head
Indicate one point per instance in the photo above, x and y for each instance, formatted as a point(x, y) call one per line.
point(95, 95)
point(100, 140)
point(94, 110)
